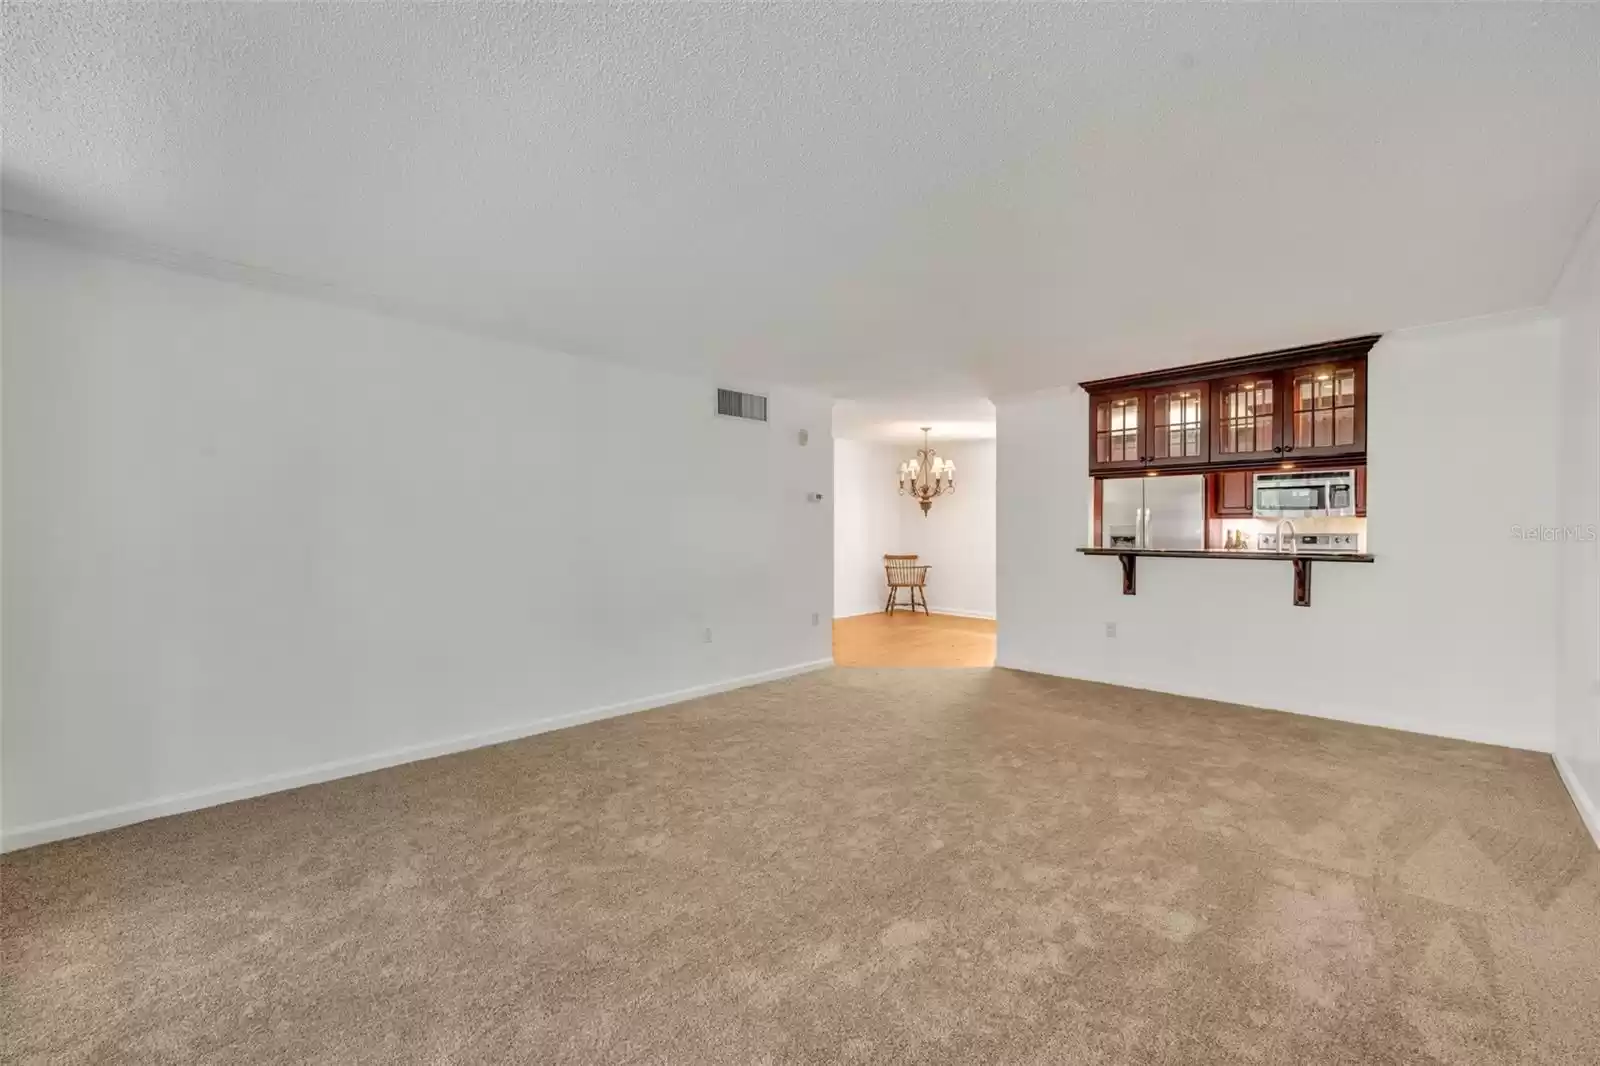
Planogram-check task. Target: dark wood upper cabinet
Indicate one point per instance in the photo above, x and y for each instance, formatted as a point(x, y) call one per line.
point(1246, 421)
point(1230, 491)
point(1177, 431)
point(1326, 410)
point(1116, 431)
point(1300, 403)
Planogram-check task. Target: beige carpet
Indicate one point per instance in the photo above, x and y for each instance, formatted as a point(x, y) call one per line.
point(853, 866)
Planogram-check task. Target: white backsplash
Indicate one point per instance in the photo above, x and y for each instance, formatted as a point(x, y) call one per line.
point(1253, 527)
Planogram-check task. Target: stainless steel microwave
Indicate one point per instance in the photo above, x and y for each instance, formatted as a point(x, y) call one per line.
point(1304, 494)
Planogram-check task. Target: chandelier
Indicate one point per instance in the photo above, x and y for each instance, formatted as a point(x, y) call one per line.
point(927, 475)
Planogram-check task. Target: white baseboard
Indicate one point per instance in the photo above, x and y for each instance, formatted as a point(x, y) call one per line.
point(28, 836)
point(964, 614)
point(1498, 737)
point(1588, 807)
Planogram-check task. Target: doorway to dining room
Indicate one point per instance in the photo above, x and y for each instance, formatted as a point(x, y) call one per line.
point(914, 585)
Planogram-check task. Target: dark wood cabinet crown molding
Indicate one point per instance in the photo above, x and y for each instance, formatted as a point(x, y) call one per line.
point(1351, 348)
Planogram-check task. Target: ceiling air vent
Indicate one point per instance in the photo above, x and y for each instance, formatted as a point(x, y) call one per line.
point(741, 405)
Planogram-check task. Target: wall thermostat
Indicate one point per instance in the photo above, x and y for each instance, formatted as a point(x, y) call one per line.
point(805, 438)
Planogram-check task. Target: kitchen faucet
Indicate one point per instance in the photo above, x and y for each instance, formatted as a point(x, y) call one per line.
point(1293, 541)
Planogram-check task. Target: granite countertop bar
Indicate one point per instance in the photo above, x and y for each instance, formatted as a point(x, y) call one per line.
point(1219, 553)
point(1302, 561)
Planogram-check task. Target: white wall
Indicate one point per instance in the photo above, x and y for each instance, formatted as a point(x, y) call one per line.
point(252, 539)
point(1577, 301)
point(871, 518)
point(1451, 631)
point(957, 537)
point(866, 524)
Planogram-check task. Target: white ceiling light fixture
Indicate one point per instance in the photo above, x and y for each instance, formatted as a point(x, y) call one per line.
point(927, 475)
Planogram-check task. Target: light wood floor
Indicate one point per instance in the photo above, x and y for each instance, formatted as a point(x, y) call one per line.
point(905, 639)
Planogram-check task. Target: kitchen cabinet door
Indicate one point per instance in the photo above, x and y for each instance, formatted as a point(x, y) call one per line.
point(1361, 492)
point(1325, 408)
point(1246, 423)
point(1231, 491)
point(1116, 431)
point(1177, 432)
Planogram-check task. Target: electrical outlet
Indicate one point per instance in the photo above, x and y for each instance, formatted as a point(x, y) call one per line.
point(1111, 629)
point(816, 619)
point(707, 637)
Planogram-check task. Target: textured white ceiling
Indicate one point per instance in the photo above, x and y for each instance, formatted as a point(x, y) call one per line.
point(989, 198)
point(902, 419)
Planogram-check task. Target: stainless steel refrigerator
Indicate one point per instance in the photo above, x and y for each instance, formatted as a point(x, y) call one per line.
point(1159, 513)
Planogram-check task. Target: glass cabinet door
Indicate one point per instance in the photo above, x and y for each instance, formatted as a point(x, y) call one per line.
point(1177, 429)
point(1247, 424)
point(1116, 427)
point(1327, 410)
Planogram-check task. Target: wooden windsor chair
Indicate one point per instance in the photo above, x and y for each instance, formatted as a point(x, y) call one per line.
point(903, 572)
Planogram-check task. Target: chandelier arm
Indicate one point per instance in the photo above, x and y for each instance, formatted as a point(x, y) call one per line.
point(925, 484)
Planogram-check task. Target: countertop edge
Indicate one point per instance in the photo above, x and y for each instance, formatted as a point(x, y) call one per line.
point(1308, 556)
